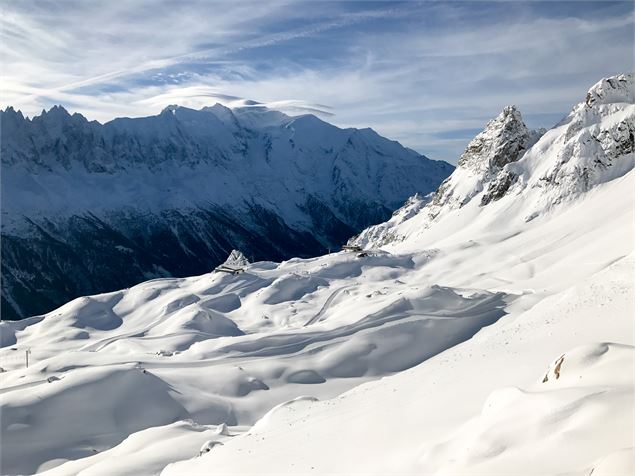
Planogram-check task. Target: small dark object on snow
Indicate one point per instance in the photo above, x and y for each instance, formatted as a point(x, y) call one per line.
point(208, 445)
point(363, 254)
point(354, 248)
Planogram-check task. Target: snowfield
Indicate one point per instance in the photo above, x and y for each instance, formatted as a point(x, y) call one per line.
point(471, 335)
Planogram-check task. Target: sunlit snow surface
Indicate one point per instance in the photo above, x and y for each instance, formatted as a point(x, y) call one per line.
point(221, 348)
point(506, 344)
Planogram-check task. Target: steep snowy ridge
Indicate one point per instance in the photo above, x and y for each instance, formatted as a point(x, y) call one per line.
point(89, 208)
point(594, 144)
point(506, 341)
point(504, 140)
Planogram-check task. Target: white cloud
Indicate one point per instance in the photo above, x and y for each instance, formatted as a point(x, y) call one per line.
point(386, 67)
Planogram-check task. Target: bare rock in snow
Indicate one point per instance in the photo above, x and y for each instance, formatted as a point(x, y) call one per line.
point(236, 259)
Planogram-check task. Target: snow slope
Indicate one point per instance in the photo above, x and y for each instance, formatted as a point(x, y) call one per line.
point(219, 349)
point(480, 407)
point(505, 345)
point(90, 208)
point(549, 388)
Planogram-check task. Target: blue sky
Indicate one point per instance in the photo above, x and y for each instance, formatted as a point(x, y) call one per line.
point(429, 74)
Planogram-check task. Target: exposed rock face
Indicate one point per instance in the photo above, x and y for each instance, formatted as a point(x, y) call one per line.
point(90, 208)
point(388, 232)
point(497, 188)
point(503, 141)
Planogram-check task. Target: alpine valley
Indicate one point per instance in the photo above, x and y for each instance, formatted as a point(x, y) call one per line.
point(91, 208)
point(485, 328)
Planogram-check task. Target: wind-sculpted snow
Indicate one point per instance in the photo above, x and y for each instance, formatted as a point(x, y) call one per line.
point(91, 208)
point(221, 348)
point(149, 451)
point(547, 388)
point(578, 400)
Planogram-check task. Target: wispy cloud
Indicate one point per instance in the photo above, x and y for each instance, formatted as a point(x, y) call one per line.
point(422, 73)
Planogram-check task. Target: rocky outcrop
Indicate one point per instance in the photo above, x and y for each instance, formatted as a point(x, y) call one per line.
point(236, 259)
point(616, 89)
point(504, 140)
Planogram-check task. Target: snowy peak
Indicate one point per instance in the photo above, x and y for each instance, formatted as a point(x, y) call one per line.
point(223, 113)
point(504, 140)
point(532, 170)
point(616, 89)
point(55, 111)
point(593, 145)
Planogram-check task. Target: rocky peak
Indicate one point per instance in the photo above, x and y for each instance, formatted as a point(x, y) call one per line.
point(11, 119)
point(594, 144)
point(56, 112)
point(9, 111)
point(56, 118)
point(503, 140)
point(598, 141)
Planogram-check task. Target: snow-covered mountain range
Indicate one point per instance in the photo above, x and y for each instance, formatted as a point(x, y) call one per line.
point(500, 312)
point(89, 208)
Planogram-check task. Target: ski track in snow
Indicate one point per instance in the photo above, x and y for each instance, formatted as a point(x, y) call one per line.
point(327, 304)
